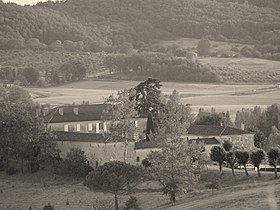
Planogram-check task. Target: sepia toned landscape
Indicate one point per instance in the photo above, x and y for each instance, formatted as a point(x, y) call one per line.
point(129, 105)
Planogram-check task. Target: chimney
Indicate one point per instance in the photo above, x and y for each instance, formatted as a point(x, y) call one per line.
point(76, 110)
point(243, 126)
point(45, 111)
point(60, 111)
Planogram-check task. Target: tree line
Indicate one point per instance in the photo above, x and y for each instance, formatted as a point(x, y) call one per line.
point(167, 68)
point(234, 156)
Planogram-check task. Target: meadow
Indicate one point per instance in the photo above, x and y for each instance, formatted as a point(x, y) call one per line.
point(223, 97)
point(22, 191)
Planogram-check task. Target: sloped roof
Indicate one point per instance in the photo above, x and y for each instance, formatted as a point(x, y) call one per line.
point(85, 113)
point(210, 130)
point(80, 137)
point(207, 141)
point(146, 145)
point(88, 112)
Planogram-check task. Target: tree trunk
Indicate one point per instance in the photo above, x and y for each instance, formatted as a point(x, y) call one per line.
point(232, 170)
point(7, 162)
point(125, 150)
point(173, 197)
point(275, 171)
point(221, 168)
point(258, 169)
point(22, 165)
point(245, 168)
point(116, 202)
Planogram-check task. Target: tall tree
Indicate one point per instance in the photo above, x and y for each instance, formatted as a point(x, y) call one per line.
point(257, 157)
point(242, 158)
point(218, 155)
point(147, 95)
point(20, 126)
point(114, 177)
point(274, 158)
point(120, 112)
point(31, 74)
point(231, 160)
point(177, 166)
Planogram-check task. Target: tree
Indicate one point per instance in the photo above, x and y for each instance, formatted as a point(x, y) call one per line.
point(78, 70)
point(20, 127)
point(174, 167)
point(31, 74)
point(227, 146)
point(231, 160)
point(177, 166)
point(218, 155)
point(242, 158)
point(75, 164)
point(273, 158)
point(121, 113)
point(257, 157)
point(259, 139)
point(203, 47)
point(147, 95)
point(114, 177)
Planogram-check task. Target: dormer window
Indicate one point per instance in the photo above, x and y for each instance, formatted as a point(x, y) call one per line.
point(60, 111)
point(76, 111)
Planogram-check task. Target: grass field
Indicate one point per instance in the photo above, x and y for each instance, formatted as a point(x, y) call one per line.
point(192, 43)
point(240, 70)
point(19, 192)
point(224, 97)
point(243, 70)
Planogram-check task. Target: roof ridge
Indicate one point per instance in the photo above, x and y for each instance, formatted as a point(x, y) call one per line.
point(223, 131)
point(53, 115)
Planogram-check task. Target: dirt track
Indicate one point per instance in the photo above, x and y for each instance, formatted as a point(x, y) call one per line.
point(263, 197)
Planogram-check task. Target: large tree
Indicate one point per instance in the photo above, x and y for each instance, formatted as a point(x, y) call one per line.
point(177, 166)
point(147, 95)
point(218, 155)
point(274, 158)
point(242, 158)
point(31, 74)
point(121, 114)
point(257, 157)
point(114, 177)
point(21, 128)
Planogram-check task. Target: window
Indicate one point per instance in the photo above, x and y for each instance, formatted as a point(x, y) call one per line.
point(138, 159)
point(78, 127)
point(66, 128)
point(90, 127)
point(101, 126)
point(136, 123)
point(97, 128)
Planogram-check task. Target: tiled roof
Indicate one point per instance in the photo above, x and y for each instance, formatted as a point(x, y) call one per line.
point(145, 145)
point(89, 112)
point(207, 141)
point(85, 113)
point(209, 130)
point(80, 137)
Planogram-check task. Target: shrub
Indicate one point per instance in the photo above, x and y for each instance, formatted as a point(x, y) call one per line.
point(34, 167)
point(48, 207)
point(75, 164)
point(12, 171)
point(131, 204)
point(213, 185)
point(41, 83)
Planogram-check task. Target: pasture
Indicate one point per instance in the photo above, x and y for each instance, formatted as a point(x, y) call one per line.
point(22, 191)
point(223, 97)
point(243, 70)
point(190, 43)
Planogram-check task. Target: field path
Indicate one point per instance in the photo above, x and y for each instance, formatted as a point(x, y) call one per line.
point(221, 200)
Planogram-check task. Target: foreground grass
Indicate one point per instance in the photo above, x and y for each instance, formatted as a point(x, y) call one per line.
point(36, 190)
